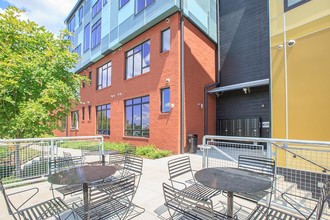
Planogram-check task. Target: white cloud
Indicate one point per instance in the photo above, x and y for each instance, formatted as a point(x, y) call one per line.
point(49, 13)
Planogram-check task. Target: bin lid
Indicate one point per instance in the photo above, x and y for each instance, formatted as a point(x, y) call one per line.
point(192, 135)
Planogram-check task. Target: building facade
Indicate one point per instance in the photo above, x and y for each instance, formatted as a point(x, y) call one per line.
point(274, 63)
point(140, 69)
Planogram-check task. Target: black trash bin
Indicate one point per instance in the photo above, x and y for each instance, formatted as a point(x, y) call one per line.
point(192, 140)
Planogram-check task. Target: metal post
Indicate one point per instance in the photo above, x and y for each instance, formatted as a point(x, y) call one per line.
point(17, 161)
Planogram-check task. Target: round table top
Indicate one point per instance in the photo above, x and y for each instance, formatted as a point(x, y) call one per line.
point(233, 179)
point(82, 174)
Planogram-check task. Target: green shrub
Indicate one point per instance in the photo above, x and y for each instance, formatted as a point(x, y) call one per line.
point(151, 152)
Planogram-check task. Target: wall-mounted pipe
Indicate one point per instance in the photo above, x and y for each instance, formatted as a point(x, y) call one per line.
point(182, 77)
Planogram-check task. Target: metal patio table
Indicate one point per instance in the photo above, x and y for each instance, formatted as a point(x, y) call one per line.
point(82, 175)
point(233, 180)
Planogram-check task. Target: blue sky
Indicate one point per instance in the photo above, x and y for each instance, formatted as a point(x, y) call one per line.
point(48, 13)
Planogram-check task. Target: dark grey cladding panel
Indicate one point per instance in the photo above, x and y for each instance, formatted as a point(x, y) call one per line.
point(244, 37)
point(127, 24)
point(87, 17)
point(105, 44)
point(237, 104)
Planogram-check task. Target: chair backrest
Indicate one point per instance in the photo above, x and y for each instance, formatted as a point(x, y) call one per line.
point(190, 207)
point(179, 166)
point(67, 154)
point(257, 164)
point(134, 165)
point(325, 192)
point(8, 203)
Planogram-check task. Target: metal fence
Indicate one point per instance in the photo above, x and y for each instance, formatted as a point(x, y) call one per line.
point(301, 166)
point(28, 159)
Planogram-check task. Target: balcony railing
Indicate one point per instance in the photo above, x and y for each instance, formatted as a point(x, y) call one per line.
point(301, 166)
point(28, 159)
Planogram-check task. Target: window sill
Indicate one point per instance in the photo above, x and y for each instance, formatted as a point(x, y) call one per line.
point(135, 138)
point(134, 77)
point(165, 52)
point(74, 129)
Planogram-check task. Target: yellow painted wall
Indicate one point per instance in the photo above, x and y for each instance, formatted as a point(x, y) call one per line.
point(307, 68)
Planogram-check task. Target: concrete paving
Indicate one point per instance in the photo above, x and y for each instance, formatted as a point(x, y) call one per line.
point(149, 194)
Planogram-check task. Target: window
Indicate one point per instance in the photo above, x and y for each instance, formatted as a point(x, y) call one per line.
point(74, 119)
point(80, 14)
point(89, 112)
point(103, 119)
point(142, 4)
point(166, 105)
point(90, 75)
point(87, 31)
point(104, 76)
point(105, 2)
point(290, 4)
point(166, 40)
point(137, 117)
point(71, 27)
point(83, 113)
point(96, 8)
point(78, 50)
point(63, 123)
point(83, 83)
point(122, 3)
point(138, 60)
point(96, 34)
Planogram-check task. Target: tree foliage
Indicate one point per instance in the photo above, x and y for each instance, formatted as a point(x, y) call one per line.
point(37, 88)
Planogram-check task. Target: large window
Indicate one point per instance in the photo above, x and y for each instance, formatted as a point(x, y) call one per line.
point(103, 119)
point(87, 31)
point(90, 77)
point(80, 14)
point(71, 28)
point(290, 4)
point(96, 8)
point(137, 113)
point(138, 60)
point(78, 50)
point(74, 119)
point(142, 4)
point(96, 34)
point(122, 3)
point(166, 40)
point(166, 105)
point(104, 76)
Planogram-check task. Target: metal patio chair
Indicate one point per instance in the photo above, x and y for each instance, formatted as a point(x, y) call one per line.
point(110, 199)
point(59, 164)
point(180, 173)
point(262, 165)
point(181, 205)
point(262, 212)
point(43, 210)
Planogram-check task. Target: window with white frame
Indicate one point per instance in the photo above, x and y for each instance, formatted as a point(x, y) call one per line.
point(74, 119)
point(166, 40)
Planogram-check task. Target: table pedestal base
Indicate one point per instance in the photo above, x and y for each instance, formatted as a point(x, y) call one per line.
point(230, 204)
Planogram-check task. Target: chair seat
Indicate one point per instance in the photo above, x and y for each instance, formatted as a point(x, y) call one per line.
point(44, 210)
point(104, 209)
point(254, 197)
point(199, 190)
point(67, 190)
point(262, 212)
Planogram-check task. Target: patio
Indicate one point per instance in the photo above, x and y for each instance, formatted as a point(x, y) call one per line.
point(217, 154)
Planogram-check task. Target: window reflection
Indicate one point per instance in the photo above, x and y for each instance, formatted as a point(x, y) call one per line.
point(137, 113)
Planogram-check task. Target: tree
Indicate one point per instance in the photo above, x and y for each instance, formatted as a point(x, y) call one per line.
point(37, 89)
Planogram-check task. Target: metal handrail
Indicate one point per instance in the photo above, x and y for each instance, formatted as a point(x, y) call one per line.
point(301, 157)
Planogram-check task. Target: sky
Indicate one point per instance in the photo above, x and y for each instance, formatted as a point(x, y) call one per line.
point(48, 13)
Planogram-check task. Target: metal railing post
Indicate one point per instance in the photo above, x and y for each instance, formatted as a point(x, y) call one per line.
point(17, 161)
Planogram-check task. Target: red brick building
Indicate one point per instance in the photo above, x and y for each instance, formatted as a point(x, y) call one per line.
point(126, 95)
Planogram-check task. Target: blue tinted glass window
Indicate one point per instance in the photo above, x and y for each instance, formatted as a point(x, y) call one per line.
point(122, 3)
point(142, 4)
point(105, 2)
point(137, 113)
point(81, 14)
point(87, 31)
point(96, 8)
point(166, 40)
point(96, 34)
point(290, 4)
point(138, 60)
point(166, 105)
point(78, 50)
point(103, 119)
